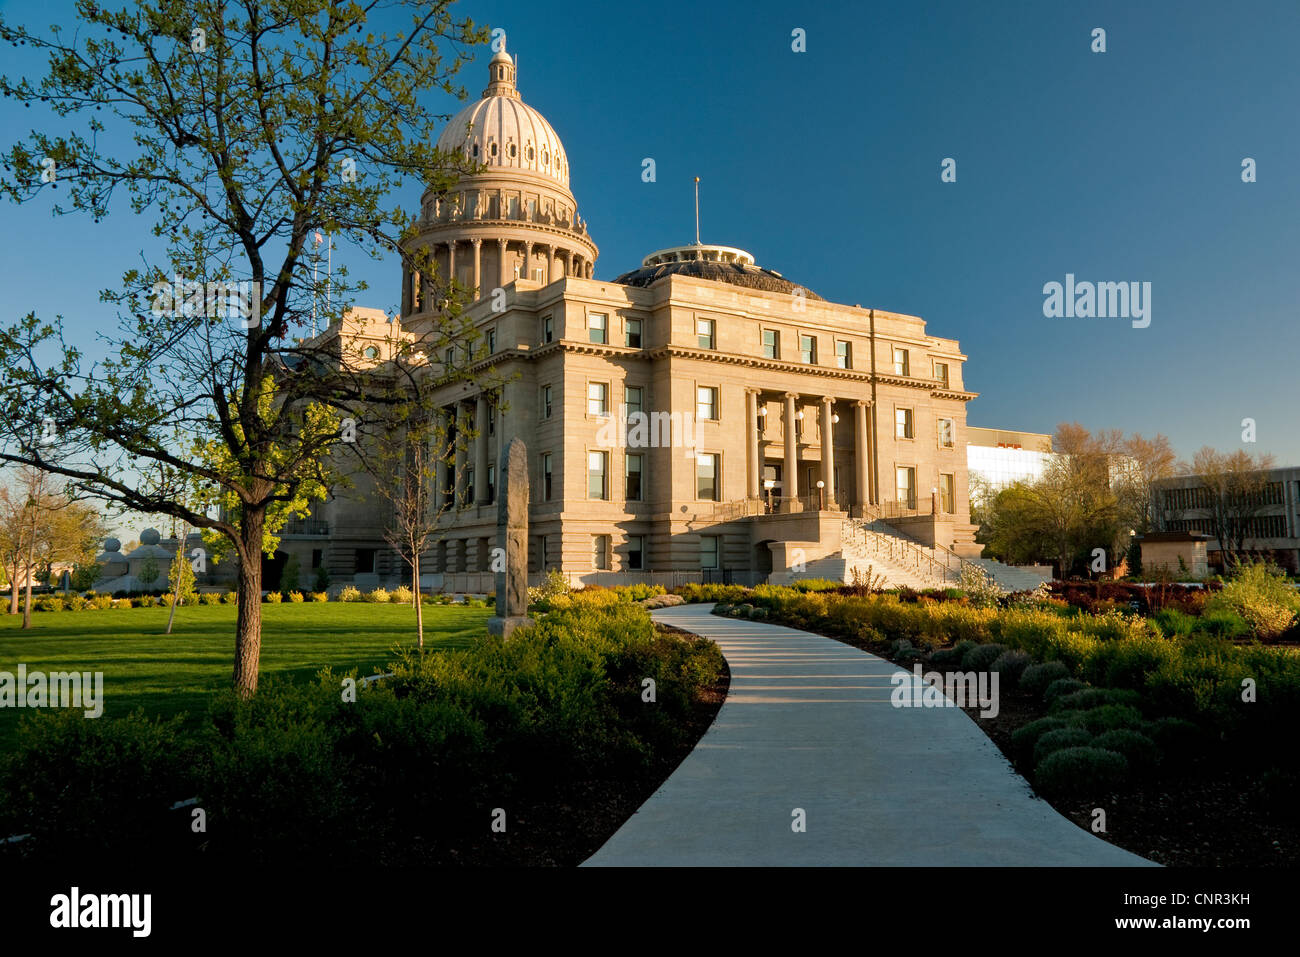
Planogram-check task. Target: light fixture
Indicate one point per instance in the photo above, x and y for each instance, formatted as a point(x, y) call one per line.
point(799, 414)
point(762, 410)
point(769, 484)
point(821, 484)
point(835, 418)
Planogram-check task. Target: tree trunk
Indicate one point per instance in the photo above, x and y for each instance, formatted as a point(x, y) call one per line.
point(248, 622)
point(13, 591)
point(419, 604)
point(27, 603)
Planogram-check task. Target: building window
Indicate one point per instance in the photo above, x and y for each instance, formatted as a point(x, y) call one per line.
point(708, 551)
point(597, 398)
point(492, 341)
point(945, 434)
point(808, 350)
point(771, 344)
point(632, 333)
point(901, 365)
point(364, 561)
point(843, 354)
point(449, 358)
point(597, 487)
point(941, 373)
point(371, 352)
point(906, 486)
point(902, 423)
point(492, 420)
point(632, 491)
point(546, 476)
point(706, 402)
point(597, 326)
point(636, 552)
point(317, 557)
point(704, 329)
point(706, 476)
point(548, 329)
point(538, 276)
point(492, 483)
point(632, 400)
point(546, 402)
point(600, 552)
point(468, 497)
point(947, 492)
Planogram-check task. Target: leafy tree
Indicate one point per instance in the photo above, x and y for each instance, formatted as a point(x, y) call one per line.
point(253, 126)
point(149, 572)
point(1236, 486)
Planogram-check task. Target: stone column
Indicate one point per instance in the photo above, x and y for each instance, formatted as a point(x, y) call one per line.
point(406, 291)
point(861, 452)
point(478, 267)
point(417, 292)
point(549, 251)
point(512, 539)
point(462, 455)
point(752, 458)
point(525, 272)
point(445, 475)
point(501, 263)
point(451, 261)
point(828, 448)
point(790, 478)
point(481, 450)
point(567, 256)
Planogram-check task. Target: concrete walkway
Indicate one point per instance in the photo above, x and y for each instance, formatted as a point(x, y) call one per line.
point(808, 724)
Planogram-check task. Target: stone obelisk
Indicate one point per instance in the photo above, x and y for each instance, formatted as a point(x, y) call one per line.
point(511, 559)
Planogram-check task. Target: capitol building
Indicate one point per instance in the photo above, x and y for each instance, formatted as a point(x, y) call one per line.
point(698, 417)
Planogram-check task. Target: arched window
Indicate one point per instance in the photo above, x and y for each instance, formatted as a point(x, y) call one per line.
point(372, 352)
point(492, 150)
point(531, 154)
point(513, 150)
point(476, 150)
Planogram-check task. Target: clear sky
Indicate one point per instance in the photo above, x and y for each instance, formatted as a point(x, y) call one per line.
point(1116, 166)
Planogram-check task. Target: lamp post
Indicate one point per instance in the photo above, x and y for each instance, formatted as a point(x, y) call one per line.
point(821, 495)
point(769, 484)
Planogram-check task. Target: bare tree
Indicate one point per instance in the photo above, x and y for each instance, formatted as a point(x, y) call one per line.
point(1236, 491)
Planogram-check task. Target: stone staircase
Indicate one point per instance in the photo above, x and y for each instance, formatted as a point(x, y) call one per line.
point(878, 549)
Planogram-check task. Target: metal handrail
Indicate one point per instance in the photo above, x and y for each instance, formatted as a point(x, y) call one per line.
point(947, 568)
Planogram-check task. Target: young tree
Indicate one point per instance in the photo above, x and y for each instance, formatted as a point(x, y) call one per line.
point(1236, 490)
point(254, 125)
point(40, 527)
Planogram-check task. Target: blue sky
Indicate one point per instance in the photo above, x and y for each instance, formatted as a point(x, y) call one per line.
point(1115, 166)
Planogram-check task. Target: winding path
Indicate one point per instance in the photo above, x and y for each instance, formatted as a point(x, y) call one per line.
point(808, 724)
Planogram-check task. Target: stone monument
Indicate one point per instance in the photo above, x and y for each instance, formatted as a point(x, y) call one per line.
point(511, 560)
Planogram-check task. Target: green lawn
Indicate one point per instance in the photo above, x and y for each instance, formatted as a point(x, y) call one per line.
point(168, 674)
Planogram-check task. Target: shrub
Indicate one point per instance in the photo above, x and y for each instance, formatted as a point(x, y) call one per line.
point(295, 597)
point(947, 657)
point(144, 601)
point(401, 595)
point(319, 596)
point(1060, 688)
point(101, 601)
point(742, 611)
point(722, 608)
point(1108, 717)
point(553, 586)
point(377, 597)
point(350, 593)
point(273, 598)
point(1024, 738)
point(1176, 738)
point(230, 598)
point(1093, 698)
point(47, 604)
point(1260, 594)
point(979, 586)
point(1079, 771)
point(1010, 665)
point(1035, 678)
point(1068, 737)
point(1141, 751)
point(981, 657)
point(210, 598)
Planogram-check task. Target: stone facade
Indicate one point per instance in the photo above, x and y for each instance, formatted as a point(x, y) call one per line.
point(760, 396)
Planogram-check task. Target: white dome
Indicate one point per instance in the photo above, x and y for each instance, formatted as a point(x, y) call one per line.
point(503, 132)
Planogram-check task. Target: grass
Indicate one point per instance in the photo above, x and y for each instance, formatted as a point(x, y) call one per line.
point(169, 674)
